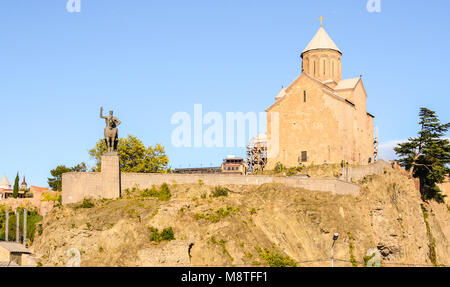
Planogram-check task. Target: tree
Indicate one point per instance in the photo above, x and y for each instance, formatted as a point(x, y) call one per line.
point(134, 156)
point(79, 168)
point(55, 182)
point(427, 156)
point(16, 187)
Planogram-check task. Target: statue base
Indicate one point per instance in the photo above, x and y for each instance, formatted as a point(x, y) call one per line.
point(111, 181)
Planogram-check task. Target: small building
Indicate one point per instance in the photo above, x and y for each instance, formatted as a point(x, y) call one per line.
point(14, 254)
point(234, 165)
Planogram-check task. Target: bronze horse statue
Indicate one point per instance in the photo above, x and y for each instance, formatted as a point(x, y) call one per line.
point(111, 131)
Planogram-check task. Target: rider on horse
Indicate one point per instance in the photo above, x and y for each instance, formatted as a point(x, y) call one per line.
point(111, 130)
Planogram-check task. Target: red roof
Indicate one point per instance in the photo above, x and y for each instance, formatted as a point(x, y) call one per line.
point(38, 189)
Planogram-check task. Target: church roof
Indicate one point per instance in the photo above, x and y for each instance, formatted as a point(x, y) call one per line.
point(347, 84)
point(5, 182)
point(281, 94)
point(321, 41)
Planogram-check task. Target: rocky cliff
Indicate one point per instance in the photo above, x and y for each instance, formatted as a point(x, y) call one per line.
point(268, 225)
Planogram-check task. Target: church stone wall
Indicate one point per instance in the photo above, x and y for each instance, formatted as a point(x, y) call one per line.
point(324, 126)
point(323, 64)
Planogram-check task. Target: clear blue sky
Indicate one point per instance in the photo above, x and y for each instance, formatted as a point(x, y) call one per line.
point(149, 59)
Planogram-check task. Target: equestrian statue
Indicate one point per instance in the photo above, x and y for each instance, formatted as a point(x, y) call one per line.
point(111, 131)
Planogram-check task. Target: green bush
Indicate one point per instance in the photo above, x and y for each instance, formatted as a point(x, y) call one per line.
point(220, 191)
point(87, 203)
point(51, 196)
point(154, 235)
point(276, 259)
point(279, 167)
point(166, 235)
point(165, 192)
point(162, 194)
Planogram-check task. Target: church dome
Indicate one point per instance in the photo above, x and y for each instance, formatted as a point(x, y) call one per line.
point(321, 41)
point(322, 58)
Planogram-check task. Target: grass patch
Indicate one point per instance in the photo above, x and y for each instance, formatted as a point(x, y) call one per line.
point(368, 258)
point(221, 243)
point(432, 254)
point(51, 196)
point(217, 215)
point(163, 193)
point(166, 235)
point(220, 191)
point(86, 203)
point(133, 213)
point(275, 259)
point(351, 248)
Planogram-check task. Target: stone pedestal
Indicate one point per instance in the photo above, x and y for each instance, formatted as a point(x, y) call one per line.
point(110, 175)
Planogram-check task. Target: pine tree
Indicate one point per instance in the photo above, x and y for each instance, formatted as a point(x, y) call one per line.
point(427, 156)
point(16, 187)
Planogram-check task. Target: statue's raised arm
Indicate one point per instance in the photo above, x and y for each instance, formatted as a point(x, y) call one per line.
point(101, 113)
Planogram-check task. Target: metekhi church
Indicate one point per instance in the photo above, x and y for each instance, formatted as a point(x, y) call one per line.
point(320, 118)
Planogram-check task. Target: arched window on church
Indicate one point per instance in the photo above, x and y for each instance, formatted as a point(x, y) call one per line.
point(304, 96)
point(332, 68)
point(324, 67)
point(315, 68)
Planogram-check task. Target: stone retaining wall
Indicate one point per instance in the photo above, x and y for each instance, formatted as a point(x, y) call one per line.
point(77, 186)
point(359, 172)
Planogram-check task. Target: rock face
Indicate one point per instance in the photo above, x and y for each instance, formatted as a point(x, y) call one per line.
point(238, 229)
point(173, 254)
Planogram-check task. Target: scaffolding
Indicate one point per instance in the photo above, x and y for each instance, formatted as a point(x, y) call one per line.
point(257, 154)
